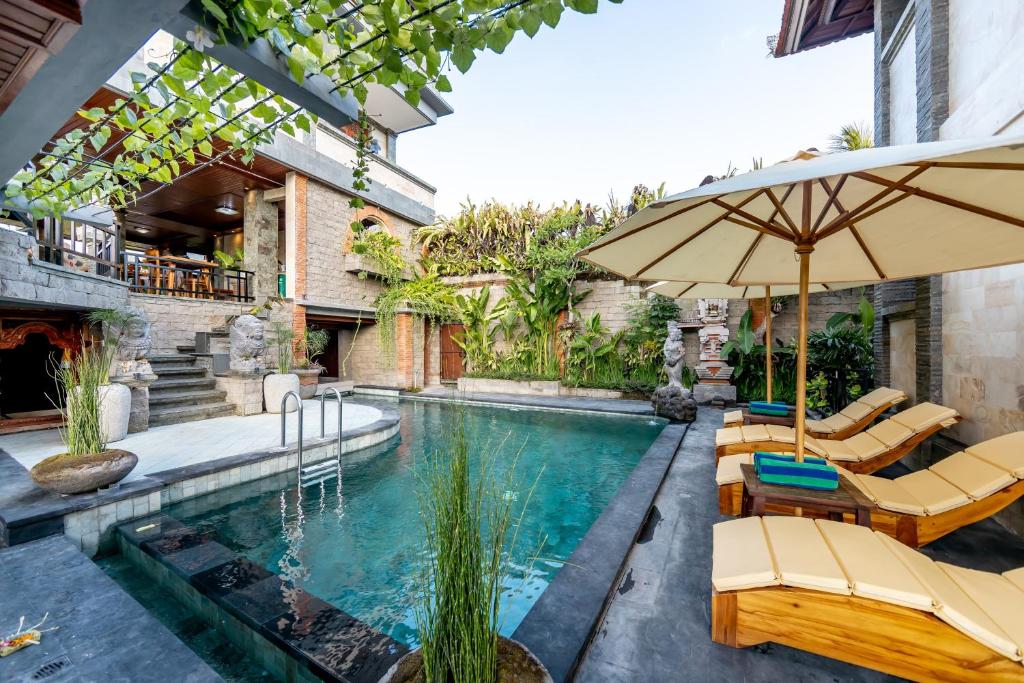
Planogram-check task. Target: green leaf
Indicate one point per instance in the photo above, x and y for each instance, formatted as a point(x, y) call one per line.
point(531, 21)
point(295, 66)
point(499, 37)
point(442, 84)
point(412, 96)
point(214, 9)
point(463, 57)
point(552, 13)
point(205, 147)
point(585, 6)
point(302, 121)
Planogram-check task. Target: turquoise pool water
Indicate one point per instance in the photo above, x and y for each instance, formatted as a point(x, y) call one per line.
point(357, 541)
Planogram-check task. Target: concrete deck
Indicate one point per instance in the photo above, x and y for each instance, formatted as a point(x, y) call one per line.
point(658, 625)
point(190, 443)
point(102, 635)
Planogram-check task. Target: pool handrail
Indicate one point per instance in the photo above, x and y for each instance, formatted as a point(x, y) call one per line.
point(323, 396)
point(284, 420)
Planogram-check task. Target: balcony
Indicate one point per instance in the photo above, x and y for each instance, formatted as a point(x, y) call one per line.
point(186, 277)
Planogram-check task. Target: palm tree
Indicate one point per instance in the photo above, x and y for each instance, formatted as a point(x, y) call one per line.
point(852, 136)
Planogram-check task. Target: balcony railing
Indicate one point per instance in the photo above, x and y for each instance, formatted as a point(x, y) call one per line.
point(78, 246)
point(174, 276)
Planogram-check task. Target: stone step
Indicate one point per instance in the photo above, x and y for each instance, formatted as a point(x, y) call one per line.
point(169, 415)
point(185, 383)
point(171, 358)
point(200, 397)
point(180, 371)
point(186, 348)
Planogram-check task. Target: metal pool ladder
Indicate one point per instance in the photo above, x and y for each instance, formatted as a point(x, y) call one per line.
point(325, 467)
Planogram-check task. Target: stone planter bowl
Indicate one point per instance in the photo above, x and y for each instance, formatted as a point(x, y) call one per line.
point(309, 379)
point(516, 664)
point(275, 386)
point(70, 474)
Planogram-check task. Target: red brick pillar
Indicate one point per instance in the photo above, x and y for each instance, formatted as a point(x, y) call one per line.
point(299, 312)
point(404, 348)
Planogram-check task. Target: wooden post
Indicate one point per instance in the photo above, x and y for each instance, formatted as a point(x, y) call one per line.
point(804, 248)
point(768, 338)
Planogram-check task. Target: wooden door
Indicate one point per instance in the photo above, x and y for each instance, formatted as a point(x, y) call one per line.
point(451, 354)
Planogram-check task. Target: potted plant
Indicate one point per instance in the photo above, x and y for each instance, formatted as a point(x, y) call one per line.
point(87, 464)
point(114, 400)
point(277, 384)
point(310, 347)
point(458, 614)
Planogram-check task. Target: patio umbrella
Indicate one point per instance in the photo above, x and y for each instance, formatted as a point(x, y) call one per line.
point(711, 290)
point(886, 213)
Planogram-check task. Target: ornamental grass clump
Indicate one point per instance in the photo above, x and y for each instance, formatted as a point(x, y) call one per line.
point(79, 382)
point(469, 539)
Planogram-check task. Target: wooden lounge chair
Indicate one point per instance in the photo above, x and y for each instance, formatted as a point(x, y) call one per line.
point(920, 507)
point(852, 594)
point(863, 453)
point(851, 420)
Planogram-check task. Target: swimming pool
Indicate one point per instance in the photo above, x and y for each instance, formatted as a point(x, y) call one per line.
point(357, 541)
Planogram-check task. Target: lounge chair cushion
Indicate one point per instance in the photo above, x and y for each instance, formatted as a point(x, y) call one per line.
point(999, 598)
point(871, 569)
point(728, 436)
point(951, 603)
point(839, 451)
point(781, 434)
point(889, 495)
point(891, 433)
point(837, 422)
point(865, 446)
point(752, 433)
point(729, 471)
point(935, 493)
point(923, 415)
point(814, 446)
point(802, 557)
point(882, 396)
point(972, 475)
point(732, 416)
point(1006, 452)
point(741, 557)
point(818, 427)
point(856, 411)
point(1016, 577)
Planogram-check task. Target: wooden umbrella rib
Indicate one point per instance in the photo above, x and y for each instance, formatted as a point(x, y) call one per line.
point(863, 216)
point(746, 257)
point(974, 165)
point(833, 194)
point(867, 252)
point(780, 210)
point(689, 238)
point(761, 224)
point(633, 231)
point(692, 285)
point(844, 219)
point(948, 201)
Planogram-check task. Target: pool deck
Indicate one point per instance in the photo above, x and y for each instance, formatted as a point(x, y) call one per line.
point(658, 625)
point(102, 634)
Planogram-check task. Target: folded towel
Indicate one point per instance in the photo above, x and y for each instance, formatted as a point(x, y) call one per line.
point(760, 457)
point(799, 474)
point(765, 408)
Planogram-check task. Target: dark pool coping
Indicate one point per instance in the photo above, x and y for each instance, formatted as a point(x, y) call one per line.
point(103, 633)
point(611, 406)
point(28, 513)
point(330, 643)
point(560, 625)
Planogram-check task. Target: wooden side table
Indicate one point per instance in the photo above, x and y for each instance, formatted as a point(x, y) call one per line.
point(846, 499)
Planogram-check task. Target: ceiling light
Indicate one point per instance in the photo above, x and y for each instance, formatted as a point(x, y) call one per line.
point(226, 210)
point(142, 231)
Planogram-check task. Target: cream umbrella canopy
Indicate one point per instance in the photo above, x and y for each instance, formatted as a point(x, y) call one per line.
point(711, 290)
point(886, 213)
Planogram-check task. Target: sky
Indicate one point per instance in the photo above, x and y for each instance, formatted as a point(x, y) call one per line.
point(648, 91)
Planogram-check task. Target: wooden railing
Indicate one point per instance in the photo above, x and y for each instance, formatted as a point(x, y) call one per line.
point(79, 246)
point(175, 276)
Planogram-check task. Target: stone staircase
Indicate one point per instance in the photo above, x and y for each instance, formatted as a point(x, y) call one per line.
point(183, 391)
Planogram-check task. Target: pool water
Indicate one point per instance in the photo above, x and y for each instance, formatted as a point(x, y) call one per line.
point(356, 540)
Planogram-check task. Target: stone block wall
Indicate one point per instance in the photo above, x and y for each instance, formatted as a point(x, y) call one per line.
point(610, 298)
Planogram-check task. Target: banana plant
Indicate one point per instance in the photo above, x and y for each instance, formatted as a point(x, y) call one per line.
point(478, 339)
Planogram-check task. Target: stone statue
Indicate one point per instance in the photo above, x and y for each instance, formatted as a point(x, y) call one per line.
point(674, 401)
point(247, 345)
point(133, 343)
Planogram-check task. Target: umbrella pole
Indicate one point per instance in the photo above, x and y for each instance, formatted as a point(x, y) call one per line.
point(768, 339)
point(801, 351)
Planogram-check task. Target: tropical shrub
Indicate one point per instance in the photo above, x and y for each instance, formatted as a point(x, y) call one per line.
point(477, 340)
point(284, 337)
point(78, 385)
point(382, 249)
point(590, 352)
point(843, 355)
point(747, 357)
point(644, 337)
point(310, 347)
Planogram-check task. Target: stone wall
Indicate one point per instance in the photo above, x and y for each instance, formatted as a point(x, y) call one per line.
point(25, 279)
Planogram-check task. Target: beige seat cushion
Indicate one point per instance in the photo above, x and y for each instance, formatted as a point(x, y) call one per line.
point(951, 603)
point(732, 416)
point(781, 434)
point(728, 436)
point(1006, 452)
point(856, 411)
point(838, 451)
point(1016, 577)
point(889, 495)
point(818, 427)
point(923, 415)
point(752, 433)
point(882, 396)
point(1000, 599)
point(838, 421)
point(729, 468)
point(865, 446)
point(871, 569)
point(891, 433)
point(802, 557)
point(814, 446)
point(972, 475)
point(935, 493)
point(854, 480)
point(741, 557)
